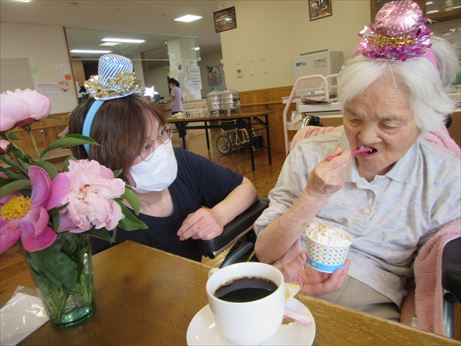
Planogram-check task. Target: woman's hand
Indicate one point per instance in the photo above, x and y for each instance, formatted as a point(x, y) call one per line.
point(328, 176)
point(202, 224)
point(312, 282)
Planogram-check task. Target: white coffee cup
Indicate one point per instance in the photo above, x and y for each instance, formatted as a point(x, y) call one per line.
point(253, 322)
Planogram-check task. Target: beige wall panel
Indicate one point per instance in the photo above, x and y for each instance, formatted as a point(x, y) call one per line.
point(270, 34)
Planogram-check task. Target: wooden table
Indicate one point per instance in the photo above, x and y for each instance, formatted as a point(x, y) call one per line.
point(253, 118)
point(148, 297)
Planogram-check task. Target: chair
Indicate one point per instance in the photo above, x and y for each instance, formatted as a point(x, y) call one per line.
point(451, 283)
point(238, 233)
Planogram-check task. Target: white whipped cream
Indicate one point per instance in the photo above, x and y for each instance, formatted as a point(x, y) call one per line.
point(328, 235)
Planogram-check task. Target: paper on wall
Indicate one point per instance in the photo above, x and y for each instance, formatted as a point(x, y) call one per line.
point(48, 89)
point(63, 68)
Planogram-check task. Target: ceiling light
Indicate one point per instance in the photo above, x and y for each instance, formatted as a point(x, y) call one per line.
point(433, 11)
point(109, 44)
point(196, 48)
point(90, 51)
point(122, 40)
point(429, 3)
point(188, 18)
point(22, 0)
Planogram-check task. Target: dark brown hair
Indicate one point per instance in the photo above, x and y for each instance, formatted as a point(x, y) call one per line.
point(120, 127)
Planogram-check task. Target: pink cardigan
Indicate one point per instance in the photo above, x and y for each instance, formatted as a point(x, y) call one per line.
point(428, 278)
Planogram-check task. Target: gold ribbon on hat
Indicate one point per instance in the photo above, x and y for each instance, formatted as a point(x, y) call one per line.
point(381, 40)
point(125, 83)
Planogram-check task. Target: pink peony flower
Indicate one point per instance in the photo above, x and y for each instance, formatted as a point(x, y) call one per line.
point(4, 145)
point(93, 189)
point(27, 217)
point(22, 107)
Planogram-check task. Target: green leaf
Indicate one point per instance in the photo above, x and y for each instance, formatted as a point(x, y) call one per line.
point(132, 199)
point(12, 163)
point(14, 186)
point(56, 219)
point(113, 235)
point(65, 165)
point(48, 167)
point(58, 266)
point(69, 243)
point(66, 162)
point(131, 222)
point(4, 181)
point(57, 209)
point(16, 151)
point(25, 166)
point(11, 136)
point(102, 233)
point(118, 172)
point(67, 142)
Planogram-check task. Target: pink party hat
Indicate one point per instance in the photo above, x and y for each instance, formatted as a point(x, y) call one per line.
point(399, 32)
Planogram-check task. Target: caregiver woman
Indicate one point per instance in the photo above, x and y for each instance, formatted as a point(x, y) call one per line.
point(392, 197)
point(184, 197)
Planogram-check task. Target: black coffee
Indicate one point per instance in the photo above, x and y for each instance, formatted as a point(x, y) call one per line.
point(245, 289)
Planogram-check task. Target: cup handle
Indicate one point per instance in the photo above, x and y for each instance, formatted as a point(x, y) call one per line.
point(212, 271)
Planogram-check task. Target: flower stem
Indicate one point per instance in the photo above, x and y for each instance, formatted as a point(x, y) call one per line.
point(18, 164)
point(34, 143)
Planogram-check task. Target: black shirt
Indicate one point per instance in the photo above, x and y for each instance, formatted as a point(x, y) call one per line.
point(199, 182)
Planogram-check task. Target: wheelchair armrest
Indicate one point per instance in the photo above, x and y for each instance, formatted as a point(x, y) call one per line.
point(234, 230)
point(451, 267)
point(238, 254)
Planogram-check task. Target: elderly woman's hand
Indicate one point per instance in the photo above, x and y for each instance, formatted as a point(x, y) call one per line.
point(312, 282)
point(202, 224)
point(328, 176)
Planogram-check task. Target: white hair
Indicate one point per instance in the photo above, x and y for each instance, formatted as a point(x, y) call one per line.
point(429, 101)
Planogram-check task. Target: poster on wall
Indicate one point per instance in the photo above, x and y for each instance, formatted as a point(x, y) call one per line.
point(319, 9)
point(215, 78)
point(193, 76)
point(225, 19)
point(49, 89)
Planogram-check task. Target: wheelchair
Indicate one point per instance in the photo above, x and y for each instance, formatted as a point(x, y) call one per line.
point(234, 137)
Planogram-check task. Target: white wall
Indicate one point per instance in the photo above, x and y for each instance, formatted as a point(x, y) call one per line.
point(270, 34)
point(45, 48)
point(157, 75)
point(211, 59)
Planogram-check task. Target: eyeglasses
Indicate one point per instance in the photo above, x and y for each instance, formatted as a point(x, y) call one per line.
point(163, 136)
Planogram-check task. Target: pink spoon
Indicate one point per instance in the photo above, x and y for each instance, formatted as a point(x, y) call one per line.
point(360, 151)
point(354, 152)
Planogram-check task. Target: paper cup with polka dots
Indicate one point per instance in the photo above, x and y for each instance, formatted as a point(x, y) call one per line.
point(324, 253)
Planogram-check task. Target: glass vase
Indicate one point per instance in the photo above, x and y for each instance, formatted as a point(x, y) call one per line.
point(63, 275)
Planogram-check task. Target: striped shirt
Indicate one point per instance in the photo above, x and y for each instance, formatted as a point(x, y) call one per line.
point(388, 218)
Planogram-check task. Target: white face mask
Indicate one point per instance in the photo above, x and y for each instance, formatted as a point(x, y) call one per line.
point(157, 172)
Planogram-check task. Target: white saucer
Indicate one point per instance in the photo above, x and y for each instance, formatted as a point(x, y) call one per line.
point(202, 329)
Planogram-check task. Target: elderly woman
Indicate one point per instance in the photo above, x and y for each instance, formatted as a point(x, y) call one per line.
point(394, 193)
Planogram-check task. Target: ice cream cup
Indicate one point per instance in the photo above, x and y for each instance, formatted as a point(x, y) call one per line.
point(327, 247)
